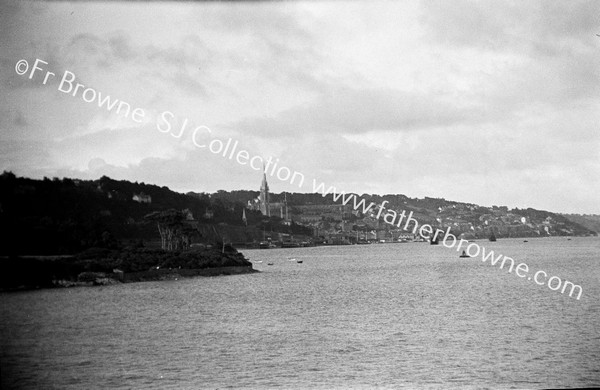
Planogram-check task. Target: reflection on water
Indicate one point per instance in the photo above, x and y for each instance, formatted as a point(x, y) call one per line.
point(388, 315)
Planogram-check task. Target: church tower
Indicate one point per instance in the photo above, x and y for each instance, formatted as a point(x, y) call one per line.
point(264, 196)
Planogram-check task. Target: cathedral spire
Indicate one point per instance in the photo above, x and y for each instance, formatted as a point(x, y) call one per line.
point(264, 195)
point(264, 180)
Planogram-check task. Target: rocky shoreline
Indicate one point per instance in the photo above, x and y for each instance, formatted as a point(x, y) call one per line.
point(87, 279)
point(101, 267)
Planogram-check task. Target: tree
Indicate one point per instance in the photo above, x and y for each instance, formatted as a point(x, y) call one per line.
point(175, 233)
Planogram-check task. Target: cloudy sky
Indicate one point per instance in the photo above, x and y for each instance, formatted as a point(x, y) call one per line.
point(483, 102)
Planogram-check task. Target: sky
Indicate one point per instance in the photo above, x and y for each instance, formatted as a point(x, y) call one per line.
point(486, 102)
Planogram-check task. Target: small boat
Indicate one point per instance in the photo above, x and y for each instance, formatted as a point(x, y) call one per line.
point(464, 254)
point(299, 261)
point(269, 263)
point(433, 242)
point(492, 237)
point(525, 241)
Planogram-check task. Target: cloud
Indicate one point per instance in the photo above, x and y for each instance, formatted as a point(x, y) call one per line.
point(194, 171)
point(346, 110)
point(19, 119)
point(279, 43)
point(120, 146)
point(26, 157)
point(543, 25)
point(544, 51)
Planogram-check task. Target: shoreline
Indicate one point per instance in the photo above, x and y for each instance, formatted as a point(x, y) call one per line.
point(94, 279)
point(102, 266)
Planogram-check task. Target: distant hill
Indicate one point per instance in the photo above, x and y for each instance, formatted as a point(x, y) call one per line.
point(471, 220)
point(590, 221)
point(66, 216)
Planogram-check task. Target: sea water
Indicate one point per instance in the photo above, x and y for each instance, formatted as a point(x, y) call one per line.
point(369, 316)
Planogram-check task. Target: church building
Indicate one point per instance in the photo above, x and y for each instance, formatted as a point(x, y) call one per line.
point(266, 207)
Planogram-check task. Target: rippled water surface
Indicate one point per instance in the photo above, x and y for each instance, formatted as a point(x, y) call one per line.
point(388, 315)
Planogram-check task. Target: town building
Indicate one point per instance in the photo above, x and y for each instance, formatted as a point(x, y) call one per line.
point(142, 198)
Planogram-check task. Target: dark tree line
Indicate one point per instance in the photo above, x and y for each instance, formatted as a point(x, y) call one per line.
point(66, 216)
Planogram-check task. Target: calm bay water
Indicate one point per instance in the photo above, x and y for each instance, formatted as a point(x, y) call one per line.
point(389, 315)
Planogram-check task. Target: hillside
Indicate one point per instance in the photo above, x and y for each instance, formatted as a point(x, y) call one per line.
point(589, 221)
point(470, 220)
point(67, 216)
